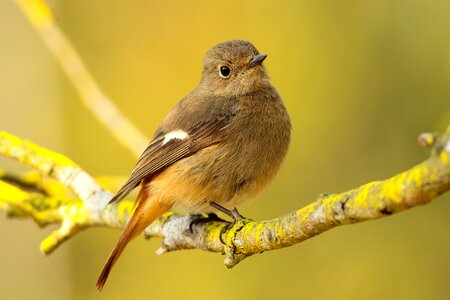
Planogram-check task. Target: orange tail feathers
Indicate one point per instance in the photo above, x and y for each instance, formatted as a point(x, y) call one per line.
point(146, 212)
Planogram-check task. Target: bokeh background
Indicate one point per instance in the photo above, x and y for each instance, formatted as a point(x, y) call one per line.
point(361, 80)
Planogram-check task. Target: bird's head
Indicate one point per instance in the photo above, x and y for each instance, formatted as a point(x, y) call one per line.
point(233, 68)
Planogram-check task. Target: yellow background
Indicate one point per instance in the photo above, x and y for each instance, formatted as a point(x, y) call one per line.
point(361, 80)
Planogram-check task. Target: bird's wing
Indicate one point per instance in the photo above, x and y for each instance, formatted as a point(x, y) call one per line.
point(168, 148)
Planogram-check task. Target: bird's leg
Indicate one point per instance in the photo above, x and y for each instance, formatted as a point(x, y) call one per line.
point(236, 215)
point(232, 213)
point(199, 219)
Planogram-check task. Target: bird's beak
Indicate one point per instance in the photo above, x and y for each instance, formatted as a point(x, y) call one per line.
point(257, 60)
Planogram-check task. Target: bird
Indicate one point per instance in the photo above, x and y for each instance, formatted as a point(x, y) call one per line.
point(218, 147)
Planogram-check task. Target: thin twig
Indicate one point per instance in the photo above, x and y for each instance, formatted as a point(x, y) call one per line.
point(95, 100)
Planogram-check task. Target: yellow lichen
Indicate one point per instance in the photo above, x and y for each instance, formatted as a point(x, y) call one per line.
point(10, 194)
point(444, 157)
point(125, 208)
point(31, 154)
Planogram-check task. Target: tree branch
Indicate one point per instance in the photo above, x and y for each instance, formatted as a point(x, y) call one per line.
point(416, 186)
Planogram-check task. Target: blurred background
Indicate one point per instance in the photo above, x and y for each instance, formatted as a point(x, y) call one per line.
point(361, 80)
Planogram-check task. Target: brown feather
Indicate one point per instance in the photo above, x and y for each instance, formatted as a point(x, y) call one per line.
point(148, 209)
point(158, 155)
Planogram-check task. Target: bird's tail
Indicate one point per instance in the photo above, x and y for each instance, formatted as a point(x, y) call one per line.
point(146, 212)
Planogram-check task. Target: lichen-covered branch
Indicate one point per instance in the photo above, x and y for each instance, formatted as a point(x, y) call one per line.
point(42, 19)
point(33, 181)
point(56, 166)
point(416, 186)
point(92, 197)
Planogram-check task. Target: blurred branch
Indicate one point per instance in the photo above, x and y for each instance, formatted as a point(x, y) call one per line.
point(416, 186)
point(90, 93)
point(34, 182)
point(61, 192)
point(56, 166)
point(27, 182)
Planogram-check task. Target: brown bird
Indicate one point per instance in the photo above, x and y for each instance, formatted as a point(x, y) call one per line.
point(219, 146)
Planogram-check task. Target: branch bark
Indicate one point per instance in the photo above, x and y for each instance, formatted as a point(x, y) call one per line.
point(86, 206)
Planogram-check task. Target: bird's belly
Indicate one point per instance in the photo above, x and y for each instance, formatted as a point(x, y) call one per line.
point(210, 175)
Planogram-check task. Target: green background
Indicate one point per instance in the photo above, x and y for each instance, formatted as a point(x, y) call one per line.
point(361, 80)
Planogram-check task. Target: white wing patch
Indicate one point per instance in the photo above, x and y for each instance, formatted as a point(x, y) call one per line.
point(176, 134)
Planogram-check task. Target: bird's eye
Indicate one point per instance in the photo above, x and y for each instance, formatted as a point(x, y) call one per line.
point(224, 71)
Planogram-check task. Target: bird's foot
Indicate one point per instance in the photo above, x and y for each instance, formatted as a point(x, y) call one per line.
point(201, 219)
point(234, 213)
